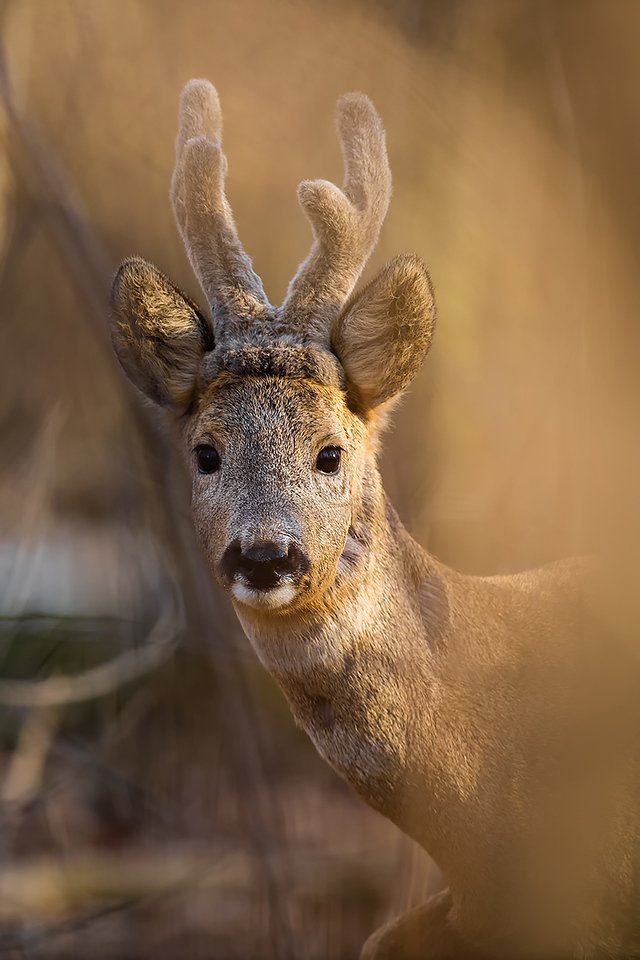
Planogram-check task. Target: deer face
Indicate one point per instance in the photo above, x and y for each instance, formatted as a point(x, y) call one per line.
point(279, 407)
point(276, 466)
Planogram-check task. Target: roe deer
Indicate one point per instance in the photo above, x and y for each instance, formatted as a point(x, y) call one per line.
point(480, 714)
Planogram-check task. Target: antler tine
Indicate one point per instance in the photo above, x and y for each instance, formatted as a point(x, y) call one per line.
point(345, 223)
point(203, 214)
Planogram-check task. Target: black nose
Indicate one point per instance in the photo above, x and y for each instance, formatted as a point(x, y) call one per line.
point(264, 564)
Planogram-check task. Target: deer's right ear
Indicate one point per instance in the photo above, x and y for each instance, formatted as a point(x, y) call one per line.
point(158, 333)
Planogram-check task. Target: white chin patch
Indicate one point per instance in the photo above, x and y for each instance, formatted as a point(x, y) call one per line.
point(264, 599)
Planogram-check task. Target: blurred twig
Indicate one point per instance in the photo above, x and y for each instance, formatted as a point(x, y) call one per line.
point(98, 681)
point(51, 889)
point(24, 774)
point(45, 454)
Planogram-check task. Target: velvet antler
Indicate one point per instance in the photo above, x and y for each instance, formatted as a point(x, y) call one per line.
point(203, 214)
point(346, 223)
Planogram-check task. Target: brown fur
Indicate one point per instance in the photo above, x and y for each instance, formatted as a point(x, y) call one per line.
point(381, 336)
point(158, 333)
point(484, 715)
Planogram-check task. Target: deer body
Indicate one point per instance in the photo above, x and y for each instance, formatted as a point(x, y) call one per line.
point(483, 715)
point(422, 688)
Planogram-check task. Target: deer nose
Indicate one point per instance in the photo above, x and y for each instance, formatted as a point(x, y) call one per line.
point(263, 564)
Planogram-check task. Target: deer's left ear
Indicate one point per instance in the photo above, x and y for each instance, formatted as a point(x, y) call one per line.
point(384, 332)
point(158, 333)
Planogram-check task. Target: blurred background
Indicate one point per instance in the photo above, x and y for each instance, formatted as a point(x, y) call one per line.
point(156, 799)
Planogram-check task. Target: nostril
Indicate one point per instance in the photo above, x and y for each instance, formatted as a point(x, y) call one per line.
point(295, 561)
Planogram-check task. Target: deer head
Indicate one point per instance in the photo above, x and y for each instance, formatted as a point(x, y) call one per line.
point(279, 407)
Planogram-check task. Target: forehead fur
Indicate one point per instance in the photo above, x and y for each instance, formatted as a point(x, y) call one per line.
point(269, 405)
point(293, 361)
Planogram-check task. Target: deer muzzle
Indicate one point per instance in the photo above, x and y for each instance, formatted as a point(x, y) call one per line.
point(264, 572)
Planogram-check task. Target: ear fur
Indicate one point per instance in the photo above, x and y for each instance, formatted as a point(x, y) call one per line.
point(158, 333)
point(384, 331)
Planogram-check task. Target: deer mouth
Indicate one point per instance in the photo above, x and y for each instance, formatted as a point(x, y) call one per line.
point(264, 598)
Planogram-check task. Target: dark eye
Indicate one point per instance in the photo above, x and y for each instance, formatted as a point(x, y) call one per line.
point(328, 460)
point(208, 458)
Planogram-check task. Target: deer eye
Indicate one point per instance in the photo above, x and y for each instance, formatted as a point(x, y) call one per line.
point(208, 458)
point(328, 460)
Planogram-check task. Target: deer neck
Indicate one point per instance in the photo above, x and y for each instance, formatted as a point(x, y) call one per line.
point(359, 666)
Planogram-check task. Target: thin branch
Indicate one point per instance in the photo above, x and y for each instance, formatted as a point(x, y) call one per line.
point(54, 889)
point(26, 766)
point(98, 681)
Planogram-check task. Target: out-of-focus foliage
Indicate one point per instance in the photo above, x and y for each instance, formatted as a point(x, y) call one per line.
point(514, 149)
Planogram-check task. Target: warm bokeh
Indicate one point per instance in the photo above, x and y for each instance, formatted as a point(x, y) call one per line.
point(178, 812)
